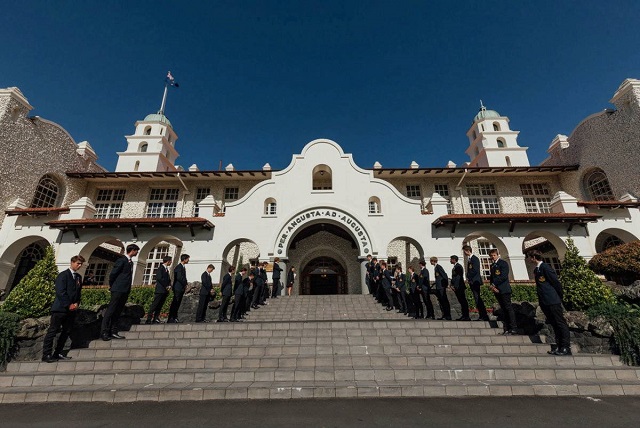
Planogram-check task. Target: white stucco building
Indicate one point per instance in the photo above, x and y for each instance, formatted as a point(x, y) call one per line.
point(323, 213)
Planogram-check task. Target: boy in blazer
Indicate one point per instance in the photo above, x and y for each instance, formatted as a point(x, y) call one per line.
point(226, 289)
point(425, 289)
point(68, 286)
point(205, 294)
point(239, 296)
point(499, 284)
point(458, 286)
point(474, 278)
point(414, 288)
point(120, 280)
point(179, 287)
point(441, 285)
point(386, 282)
point(163, 286)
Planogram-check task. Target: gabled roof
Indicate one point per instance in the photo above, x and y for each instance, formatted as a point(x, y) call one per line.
point(512, 219)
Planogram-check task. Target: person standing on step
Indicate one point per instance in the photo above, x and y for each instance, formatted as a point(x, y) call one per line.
point(120, 280)
point(225, 290)
point(401, 288)
point(499, 284)
point(257, 288)
point(68, 286)
point(474, 278)
point(249, 302)
point(425, 289)
point(265, 278)
point(275, 277)
point(239, 296)
point(291, 277)
point(248, 284)
point(386, 282)
point(549, 292)
point(205, 294)
point(367, 268)
point(415, 292)
point(441, 285)
point(179, 287)
point(458, 286)
point(163, 286)
point(377, 281)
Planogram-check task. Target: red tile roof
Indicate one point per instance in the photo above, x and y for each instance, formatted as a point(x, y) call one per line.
point(37, 211)
point(610, 204)
point(120, 222)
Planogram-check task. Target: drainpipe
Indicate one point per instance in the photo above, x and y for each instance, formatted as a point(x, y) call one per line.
point(186, 192)
point(459, 189)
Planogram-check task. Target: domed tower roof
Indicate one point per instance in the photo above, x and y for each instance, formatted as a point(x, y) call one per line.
point(485, 114)
point(157, 117)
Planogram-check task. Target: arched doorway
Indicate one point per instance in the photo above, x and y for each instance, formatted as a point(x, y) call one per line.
point(323, 275)
point(550, 245)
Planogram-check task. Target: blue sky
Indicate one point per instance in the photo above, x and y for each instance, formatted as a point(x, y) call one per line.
point(390, 81)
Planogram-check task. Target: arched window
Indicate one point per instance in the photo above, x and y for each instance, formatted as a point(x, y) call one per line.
point(136, 166)
point(147, 130)
point(143, 147)
point(270, 207)
point(507, 159)
point(501, 143)
point(374, 205)
point(322, 178)
point(611, 241)
point(496, 126)
point(46, 195)
point(597, 186)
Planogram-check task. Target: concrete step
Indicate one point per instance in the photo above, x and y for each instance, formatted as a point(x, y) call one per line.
point(87, 363)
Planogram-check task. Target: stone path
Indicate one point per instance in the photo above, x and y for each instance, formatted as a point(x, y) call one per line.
point(315, 346)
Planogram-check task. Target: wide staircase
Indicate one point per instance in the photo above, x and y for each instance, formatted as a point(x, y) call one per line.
point(315, 346)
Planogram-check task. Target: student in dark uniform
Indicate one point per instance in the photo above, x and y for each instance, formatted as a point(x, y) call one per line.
point(163, 286)
point(499, 284)
point(549, 292)
point(247, 286)
point(474, 278)
point(226, 288)
point(377, 282)
point(275, 277)
point(425, 289)
point(440, 286)
point(386, 282)
point(249, 302)
point(257, 287)
point(415, 292)
point(179, 287)
point(120, 280)
point(238, 292)
point(291, 277)
point(68, 287)
point(265, 289)
point(367, 269)
point(401, 288)
point(458, 286)
point(205, 294)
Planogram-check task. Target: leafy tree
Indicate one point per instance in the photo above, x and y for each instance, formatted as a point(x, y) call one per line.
point(621, 263)
point(34, 294)
point(582, 288)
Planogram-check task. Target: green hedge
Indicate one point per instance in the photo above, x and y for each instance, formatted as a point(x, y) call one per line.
point(9, 324)
point(525, 292)
point(625, 320)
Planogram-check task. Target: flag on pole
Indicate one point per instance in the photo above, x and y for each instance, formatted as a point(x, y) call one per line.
point(170, 80)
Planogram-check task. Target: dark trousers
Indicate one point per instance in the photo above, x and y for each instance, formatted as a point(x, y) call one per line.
point(156, 306)
point(257, 294)
point(276, 287)
point(112, 314)
point(368, 283)
point(555, 317)
point(507, 309)
point(443, 301)
point(238, 307)
point(462, 299)
point(426, 296)
point(387, 292)
point(203, 302)
point(59, 320)
point(382, 294)
point(175, 304)
point(265, 292)
point(248, 301)
point(482, 310)
point(223, 307)
point(402, 301)
point(416, 296)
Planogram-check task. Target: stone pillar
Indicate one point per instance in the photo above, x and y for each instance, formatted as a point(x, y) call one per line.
point(563, 202)
point(363, 277)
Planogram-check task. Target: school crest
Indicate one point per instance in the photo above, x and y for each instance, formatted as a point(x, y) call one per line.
point(542, 279)
point(497, 271)
point(470, 266)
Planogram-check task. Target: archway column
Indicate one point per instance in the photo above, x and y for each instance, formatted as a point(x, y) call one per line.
point(363, 276)
point(5, 274)
point(517, 260)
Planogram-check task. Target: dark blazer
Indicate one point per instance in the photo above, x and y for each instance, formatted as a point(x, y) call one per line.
point(276, 272)
point(424, 283)
point(377, 273)
point(290, 277)
point(246, 286)
point(225, 288)
point(237, 285)
point(401, 282)
point(473, 271)
point(442, 280)
point(457, 277)
point(163, 280)
point(257, 278)
point(121, 275)
point(207, 284)
point(68, 291)
point(548, 286)
point(499, 276)
point(387, 279)
point(263, 275)
point(415, 282)
point(179, 279)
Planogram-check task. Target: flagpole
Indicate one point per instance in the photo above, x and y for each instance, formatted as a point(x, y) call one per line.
point(164, 98)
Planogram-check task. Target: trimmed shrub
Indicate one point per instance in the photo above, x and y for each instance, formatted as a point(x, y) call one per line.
point(34, 294)
point(625, 321)
point(9, 324)
point(523, 292)
point(582, 288)
point(620, 263)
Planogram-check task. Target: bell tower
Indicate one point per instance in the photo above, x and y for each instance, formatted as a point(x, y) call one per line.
point(492, 143)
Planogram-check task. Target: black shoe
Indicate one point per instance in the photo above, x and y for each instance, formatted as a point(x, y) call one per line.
point(148, 321)
point(233, 320)
point(563, 352)
point(444, 319)
point(222, 321)
point(49, 359)
point(106, 337)
point(509, 333)
point(62, 357)
point(464, 319)
point(430, 317)
point(117, 336)
point(157, 321)
point(389, 308)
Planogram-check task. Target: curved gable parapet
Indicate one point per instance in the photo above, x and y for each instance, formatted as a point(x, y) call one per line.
point(250, 193)
point(588, 119)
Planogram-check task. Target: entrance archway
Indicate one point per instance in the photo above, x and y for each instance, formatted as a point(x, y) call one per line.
point(323, 275)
